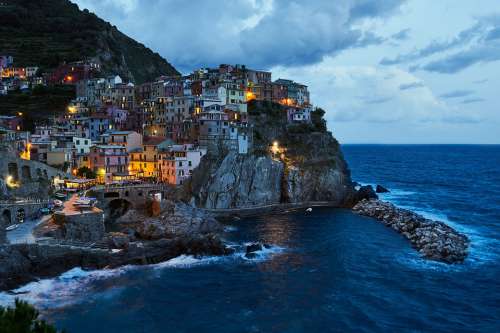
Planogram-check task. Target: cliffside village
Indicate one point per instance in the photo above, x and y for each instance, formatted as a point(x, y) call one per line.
point(115, 131)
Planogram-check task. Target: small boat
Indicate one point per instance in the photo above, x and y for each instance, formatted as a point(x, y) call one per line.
point(309, 210)
point(58, 203)
point(60, 195)
point(12, 227)
point(45, 211)
point(84, 202)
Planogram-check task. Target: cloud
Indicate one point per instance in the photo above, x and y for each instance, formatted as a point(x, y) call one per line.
point(260, 33)
point(375, 100)
point(413, 85)
point(373, 95)
point(480, 81)
point(459, 61)
point(457, 94)
point(479, 43)
point(472, 100)
point(402, 35)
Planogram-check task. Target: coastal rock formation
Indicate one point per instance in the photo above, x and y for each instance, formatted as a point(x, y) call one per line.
point(175, 219)
point(309, 166)
point(178, 220)
point(381, 189)
point(86, 227)
point(22, 263)
point(238, 181)
point(434, 240)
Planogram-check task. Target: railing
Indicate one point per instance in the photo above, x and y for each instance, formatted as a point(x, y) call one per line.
point(24, 202)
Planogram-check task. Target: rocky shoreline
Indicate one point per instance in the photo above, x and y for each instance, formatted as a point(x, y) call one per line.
point(24, 263)
point(434, 240)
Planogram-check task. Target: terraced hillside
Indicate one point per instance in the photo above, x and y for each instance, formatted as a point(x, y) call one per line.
point(46, 33)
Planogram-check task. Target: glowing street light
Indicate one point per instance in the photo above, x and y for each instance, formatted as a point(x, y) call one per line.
point(10, 182)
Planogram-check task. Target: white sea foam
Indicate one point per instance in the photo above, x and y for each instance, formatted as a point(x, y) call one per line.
point(67, 288)
point(73, 286)
point(230, 228)
point(262, 255)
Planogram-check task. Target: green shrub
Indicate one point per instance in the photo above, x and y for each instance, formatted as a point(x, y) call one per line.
point(23, 318)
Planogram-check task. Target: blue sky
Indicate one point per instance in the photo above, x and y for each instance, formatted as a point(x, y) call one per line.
point(392, 71)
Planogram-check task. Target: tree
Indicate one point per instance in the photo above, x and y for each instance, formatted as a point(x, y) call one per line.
point(23, 318)
point(86, 173)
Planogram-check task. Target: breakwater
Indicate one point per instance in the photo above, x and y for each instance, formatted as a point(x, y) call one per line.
point(433, 239)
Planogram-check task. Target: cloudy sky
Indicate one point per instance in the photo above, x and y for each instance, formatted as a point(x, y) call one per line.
point(391, 71)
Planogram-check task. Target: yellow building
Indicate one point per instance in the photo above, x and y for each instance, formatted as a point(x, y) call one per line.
point(143, 162)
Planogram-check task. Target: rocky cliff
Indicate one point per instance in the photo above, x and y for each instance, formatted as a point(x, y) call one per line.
point(308, 167)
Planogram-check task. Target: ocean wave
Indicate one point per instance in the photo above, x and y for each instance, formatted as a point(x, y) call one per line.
point(73, 286)
point(60, 291)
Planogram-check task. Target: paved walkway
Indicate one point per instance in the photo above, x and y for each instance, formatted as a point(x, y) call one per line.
point(70, 209)
point(24, 233)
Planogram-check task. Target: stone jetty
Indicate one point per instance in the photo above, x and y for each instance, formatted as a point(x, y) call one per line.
point(433, 239)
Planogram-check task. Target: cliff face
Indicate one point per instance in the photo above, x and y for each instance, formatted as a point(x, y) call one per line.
point(311, 167)
point(46, 33)
point(238, 181)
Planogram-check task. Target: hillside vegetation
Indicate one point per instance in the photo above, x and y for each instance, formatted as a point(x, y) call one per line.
point(46, 33)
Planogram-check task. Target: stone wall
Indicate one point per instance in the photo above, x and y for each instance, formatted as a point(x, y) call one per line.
point(86, 227)
point(34, 178)
point(3, 236)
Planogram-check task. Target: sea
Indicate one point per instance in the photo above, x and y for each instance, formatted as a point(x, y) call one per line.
point(326, 271)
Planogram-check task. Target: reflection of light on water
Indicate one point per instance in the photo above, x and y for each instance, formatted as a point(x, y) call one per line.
point(277, 229)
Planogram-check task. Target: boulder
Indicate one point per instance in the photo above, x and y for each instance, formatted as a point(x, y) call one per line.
point(254, 247)
point(177, 219)
point(365, 192)
point(118, 240)
point(381, 189)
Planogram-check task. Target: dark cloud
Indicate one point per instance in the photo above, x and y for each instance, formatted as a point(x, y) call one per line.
point(435, 46)
point(461, 60)
point(260, 33)
point(402, 35)
point(493, 34)
point(457, 94)
point(375, 100)
point(472, 100)
point(412, 85)
point(478, 44)
point(480, 81)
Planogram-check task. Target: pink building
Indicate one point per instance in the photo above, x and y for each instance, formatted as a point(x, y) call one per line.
point(109, 162)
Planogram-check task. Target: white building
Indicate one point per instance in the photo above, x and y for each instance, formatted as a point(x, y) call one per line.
point(82, 145)
point(176, 164)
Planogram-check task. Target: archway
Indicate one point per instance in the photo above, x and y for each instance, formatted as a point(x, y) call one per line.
point(6, 218)
point(111, 195)
point(117, 208)
point(13, 171)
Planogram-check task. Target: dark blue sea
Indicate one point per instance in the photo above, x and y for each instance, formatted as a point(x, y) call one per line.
point(328, 271)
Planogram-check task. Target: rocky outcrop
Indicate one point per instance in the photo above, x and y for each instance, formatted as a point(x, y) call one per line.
point(381, 189)
point(238, 181)
point(22, 263)
point(434, 240)
point(86, 227)
point(309, 168)
point(177, 219)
